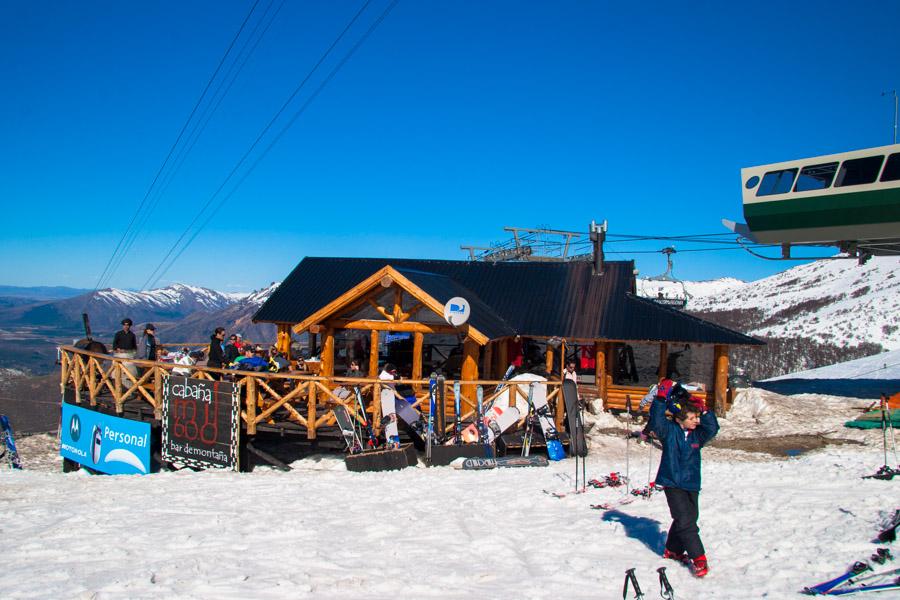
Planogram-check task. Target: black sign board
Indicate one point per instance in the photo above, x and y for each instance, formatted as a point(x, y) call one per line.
point(201, 422)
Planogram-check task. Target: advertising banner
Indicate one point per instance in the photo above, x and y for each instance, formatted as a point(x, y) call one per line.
point(104, 442)
point(201, 422)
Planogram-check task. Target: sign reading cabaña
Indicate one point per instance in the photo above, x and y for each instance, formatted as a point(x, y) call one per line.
point(201, 422)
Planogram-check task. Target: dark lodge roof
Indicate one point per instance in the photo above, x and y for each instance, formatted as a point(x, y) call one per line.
point(540, 299)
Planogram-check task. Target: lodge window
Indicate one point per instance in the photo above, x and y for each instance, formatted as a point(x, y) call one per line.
point(777, 182)
point(892, 168)
point(859, 171)
point(816, 177)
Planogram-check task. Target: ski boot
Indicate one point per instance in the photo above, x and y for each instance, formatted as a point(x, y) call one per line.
point(682, 558)
point(701, 566)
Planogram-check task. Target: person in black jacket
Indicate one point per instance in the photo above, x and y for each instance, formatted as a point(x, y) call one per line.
point(679, 471)
point(216, 352)
point(124, 341)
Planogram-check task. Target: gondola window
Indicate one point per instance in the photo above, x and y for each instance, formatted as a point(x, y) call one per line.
point(777, 182)
point(892, 168)
point(816, 177)
point(859, 171)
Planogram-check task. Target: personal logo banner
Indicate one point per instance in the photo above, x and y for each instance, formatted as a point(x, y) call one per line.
point(201, 422)
point(103, 442)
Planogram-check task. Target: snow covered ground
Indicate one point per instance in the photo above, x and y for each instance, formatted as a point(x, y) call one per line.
point(771, 525)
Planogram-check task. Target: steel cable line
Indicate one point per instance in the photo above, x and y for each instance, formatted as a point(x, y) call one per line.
point(204, 118)
point(162, 268)
point(107, 272)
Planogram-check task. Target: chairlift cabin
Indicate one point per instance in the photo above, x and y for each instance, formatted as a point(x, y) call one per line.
point(850, 200)
point(665, 289)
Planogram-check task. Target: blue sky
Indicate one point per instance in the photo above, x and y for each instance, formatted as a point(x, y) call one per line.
point(453, 120)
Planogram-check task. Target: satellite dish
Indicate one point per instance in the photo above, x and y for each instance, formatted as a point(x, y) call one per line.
point(457, 311)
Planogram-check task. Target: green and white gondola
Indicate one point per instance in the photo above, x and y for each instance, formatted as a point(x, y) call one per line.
point(853, 197)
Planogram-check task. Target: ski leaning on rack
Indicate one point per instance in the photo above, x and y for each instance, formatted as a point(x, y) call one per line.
point(432, 403)
point(457, 424)
point(372, 441)
point(8, 441)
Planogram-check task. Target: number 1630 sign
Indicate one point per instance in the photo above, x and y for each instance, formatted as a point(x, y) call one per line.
point(201, 422)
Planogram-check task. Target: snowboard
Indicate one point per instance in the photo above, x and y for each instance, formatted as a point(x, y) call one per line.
point(478, 464)
point(348, 430)
point(411, 417)
point(389, 417)
point(6, 434)
point(577, 443)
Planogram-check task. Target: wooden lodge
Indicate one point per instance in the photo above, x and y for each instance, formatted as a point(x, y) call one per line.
point(534, 315)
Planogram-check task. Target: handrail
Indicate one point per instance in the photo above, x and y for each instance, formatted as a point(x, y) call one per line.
point(91, 374)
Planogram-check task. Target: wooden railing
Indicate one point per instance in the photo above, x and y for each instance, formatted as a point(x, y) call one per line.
point(303, 399)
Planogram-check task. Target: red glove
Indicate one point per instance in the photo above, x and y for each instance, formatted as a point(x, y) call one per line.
point(699, 402)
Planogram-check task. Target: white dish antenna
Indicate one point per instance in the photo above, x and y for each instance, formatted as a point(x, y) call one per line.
point(457, 311)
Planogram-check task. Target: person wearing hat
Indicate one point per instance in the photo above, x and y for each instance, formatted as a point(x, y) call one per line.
point(124, 341)
point(149, 342)
point(682, 438)
point(125, 346)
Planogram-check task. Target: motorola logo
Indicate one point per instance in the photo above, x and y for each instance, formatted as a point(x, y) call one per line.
point(75, 428)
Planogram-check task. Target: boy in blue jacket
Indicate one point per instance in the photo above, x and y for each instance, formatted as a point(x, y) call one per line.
point(682, 438)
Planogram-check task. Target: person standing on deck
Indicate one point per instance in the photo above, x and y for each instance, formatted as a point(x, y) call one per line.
point(216, 352)
point(125, 341)
point(125, 346)
point(149, 343)
point(679, 472)
point(570, 373)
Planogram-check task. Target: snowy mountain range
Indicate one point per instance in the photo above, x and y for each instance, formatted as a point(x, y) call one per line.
point(109, 306)
point(810, 315)
point(832, 301)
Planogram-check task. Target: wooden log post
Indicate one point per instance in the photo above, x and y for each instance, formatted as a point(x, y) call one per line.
point(663, 360)
point(376, 408)
point(611, 363)
point(92, 377)
point(158, 374)
point(418, 342)
point(513, 392)
point(601, 355)
point(502, 357)
point(487, 361)
point(560, 400)
point(549, 357)
point(469, 371)
point(250, 392)
point(327, 363)
point(373, 354)
point(721, 386)
point(311, 411)
point(117, 385)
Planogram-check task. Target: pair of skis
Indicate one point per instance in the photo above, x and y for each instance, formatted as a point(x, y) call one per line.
point(861, 578)
point(8, 444)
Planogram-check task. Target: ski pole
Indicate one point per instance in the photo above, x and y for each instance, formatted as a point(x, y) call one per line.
point(628, 446)
point(630, 577)
point(665, 588)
